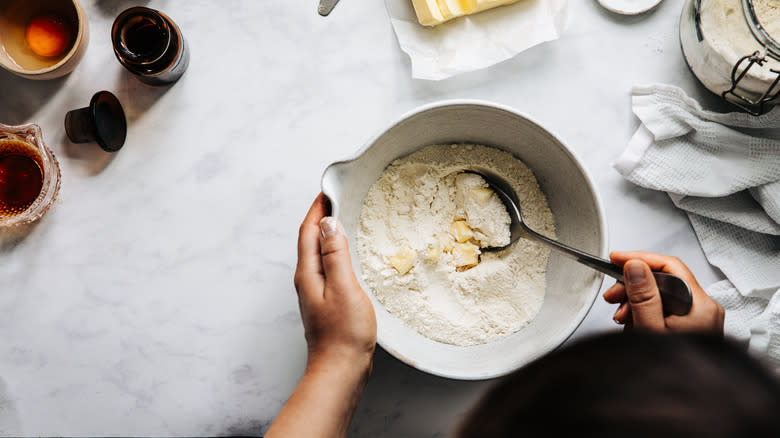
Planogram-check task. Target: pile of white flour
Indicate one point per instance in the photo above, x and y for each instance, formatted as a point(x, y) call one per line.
point(406, 224)
point(768, 13)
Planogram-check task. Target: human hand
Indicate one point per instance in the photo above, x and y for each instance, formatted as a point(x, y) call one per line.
point(338, 317)
point(640, 302)
point(340, 328)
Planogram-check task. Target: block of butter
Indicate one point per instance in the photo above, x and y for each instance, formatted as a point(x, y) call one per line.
point(433, 12)
point(403, 260)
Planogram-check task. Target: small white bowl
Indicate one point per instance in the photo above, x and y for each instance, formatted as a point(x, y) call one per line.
point(629, 7)
point(579, 219)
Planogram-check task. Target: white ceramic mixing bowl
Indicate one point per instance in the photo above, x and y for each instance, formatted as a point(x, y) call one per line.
point(579, 220)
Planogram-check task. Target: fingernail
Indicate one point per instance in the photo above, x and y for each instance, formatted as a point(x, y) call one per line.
point(635, 273)
point(330, 226)
point(619, 311)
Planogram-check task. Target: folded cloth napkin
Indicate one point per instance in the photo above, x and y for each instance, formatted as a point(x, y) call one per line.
point(723, 170)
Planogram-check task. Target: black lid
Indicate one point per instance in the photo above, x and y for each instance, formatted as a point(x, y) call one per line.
point(102, 122)
point(109, 119)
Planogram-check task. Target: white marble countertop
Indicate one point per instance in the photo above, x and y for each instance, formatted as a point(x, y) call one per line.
point(156, 297)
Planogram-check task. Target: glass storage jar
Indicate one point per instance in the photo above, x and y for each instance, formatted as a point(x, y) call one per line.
point(728, 46)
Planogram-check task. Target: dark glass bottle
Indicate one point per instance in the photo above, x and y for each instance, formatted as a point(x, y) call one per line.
point(150, 45)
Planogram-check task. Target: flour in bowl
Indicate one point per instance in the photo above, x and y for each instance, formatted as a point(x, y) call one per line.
point(422, 227)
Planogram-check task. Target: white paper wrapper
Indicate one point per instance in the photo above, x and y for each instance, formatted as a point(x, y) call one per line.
point(475, 42)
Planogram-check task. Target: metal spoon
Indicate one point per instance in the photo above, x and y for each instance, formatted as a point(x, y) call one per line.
point(326, 6)
point(675, 292)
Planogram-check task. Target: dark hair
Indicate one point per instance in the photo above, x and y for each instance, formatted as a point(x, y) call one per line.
point(634, 385)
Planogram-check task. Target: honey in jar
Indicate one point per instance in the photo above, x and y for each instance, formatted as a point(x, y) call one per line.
point(21, 176)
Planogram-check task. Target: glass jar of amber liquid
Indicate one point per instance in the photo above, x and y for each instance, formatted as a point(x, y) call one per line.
point(150, 45)
point(29, 175)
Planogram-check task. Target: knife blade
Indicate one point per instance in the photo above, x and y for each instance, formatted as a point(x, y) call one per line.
point(326, 6)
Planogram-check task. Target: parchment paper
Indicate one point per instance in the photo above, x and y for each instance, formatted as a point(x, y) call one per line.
point(475, 42)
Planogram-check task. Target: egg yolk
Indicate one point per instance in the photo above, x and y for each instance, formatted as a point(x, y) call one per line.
point(47, 35)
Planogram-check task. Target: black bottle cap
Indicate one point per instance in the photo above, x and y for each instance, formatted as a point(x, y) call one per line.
point(102, 122)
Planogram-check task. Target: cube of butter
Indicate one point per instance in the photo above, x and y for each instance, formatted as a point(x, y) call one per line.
point(403, 260)
point(446, 241)
point(443, 244)
point(481, 194)
point(461, 232)
point(433, 12)
point(465, 255)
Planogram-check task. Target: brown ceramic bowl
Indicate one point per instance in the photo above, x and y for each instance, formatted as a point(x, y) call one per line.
point(15, 54)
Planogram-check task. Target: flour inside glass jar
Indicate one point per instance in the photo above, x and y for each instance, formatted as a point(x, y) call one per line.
point(726, 38)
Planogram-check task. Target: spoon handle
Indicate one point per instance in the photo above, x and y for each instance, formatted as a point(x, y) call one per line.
point(326, 6)
point(675, 292)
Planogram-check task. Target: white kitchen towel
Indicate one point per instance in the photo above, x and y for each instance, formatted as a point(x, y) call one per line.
point(754, 321)
point(724, 171)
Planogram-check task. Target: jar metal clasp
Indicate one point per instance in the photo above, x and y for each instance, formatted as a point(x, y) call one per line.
point(771, 49)
point(753, 106)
